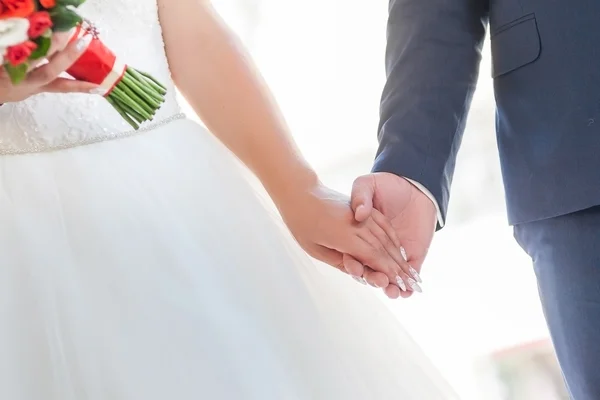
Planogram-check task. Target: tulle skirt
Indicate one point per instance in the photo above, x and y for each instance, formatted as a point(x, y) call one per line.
point(148, 268)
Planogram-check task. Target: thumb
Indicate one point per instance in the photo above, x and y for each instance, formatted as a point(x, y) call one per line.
point(363, 190)
point(66, 85)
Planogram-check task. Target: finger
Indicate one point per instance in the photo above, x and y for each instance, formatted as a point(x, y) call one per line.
point(407, 277)
point(393, 291)
point(383, 238)
point(59, 63)
point(363, 190)
point(34, 64)
point(379, 259)
point(353, 266)
point(411, 270)
point(385, 224)
point(60, 40)
point(326, 255)
point(375, 278)
point(66, 85)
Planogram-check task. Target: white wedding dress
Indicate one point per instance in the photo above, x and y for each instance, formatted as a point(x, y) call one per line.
point(143, 266)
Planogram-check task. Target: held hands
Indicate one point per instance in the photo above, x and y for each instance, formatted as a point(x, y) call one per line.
point(323, 223)
point(45, 78)
point(413, 218)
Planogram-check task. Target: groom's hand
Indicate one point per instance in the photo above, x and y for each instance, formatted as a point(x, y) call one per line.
point(412, 214)
point(323, 223)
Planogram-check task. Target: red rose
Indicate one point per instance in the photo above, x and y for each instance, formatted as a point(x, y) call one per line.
point(20, 53)
point(39, 23)
point(16, 8)
point(48, 3)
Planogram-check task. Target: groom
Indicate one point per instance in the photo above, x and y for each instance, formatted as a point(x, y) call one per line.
point(546, 69)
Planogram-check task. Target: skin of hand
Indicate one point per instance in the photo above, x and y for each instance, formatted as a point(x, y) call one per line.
point(413, 217)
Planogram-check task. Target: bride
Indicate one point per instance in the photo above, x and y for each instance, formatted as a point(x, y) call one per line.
point(147, 267)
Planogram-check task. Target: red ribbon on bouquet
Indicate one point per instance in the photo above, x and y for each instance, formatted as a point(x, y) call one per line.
point(136, 95)
point(98, 64)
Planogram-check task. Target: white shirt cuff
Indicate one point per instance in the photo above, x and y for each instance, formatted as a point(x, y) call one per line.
point(427, 193)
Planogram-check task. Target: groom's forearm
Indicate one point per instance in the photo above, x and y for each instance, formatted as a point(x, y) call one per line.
point(432, 63)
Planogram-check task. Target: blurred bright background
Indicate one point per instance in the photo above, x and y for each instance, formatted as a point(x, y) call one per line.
point(479, 318)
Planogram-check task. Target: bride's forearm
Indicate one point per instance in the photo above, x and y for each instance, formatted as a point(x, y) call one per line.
point(220, 82)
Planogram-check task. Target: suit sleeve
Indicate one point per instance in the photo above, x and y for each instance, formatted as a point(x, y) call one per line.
point(432, 64)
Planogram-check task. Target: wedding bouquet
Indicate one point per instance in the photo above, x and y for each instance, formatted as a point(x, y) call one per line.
point(26, 29)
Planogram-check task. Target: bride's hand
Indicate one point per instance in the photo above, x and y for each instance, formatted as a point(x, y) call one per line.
point(322, 222)
point(46, 78)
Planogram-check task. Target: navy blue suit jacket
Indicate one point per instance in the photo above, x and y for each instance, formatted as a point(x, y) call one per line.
point(546, 70)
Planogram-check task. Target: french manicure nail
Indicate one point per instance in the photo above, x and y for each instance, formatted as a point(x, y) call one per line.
point(415, 274)
point(360, 280)
point(403, 253)
point(401, 283)
point(414, 285)
point(83, 42)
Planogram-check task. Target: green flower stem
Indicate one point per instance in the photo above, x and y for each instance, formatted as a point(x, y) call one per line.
point(139, 118)
point(138, 100)
point(159, 88)
point(148, 90)
point(147, 85)
point(137, 97)
point(139, 90)
point(124, 97)
point(124, 115)
point(131, 112)
point(157, 83)
point(119, 95)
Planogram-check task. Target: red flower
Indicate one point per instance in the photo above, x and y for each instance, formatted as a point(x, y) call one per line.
point(39, 23)
point(48, 3)
point(20, 53)
point(16, 8)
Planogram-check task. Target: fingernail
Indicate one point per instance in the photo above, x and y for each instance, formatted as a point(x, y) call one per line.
point(83, 42)
point(360, 280)
point(98, 91)
point(415, 274)
point(414, 285)
point(400, 283)
point(403, 252)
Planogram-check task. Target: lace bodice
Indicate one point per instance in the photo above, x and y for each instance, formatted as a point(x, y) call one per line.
point(48, 121)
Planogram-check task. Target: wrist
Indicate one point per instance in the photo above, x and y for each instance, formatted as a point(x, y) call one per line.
point(292, 183)
point(424, 193)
